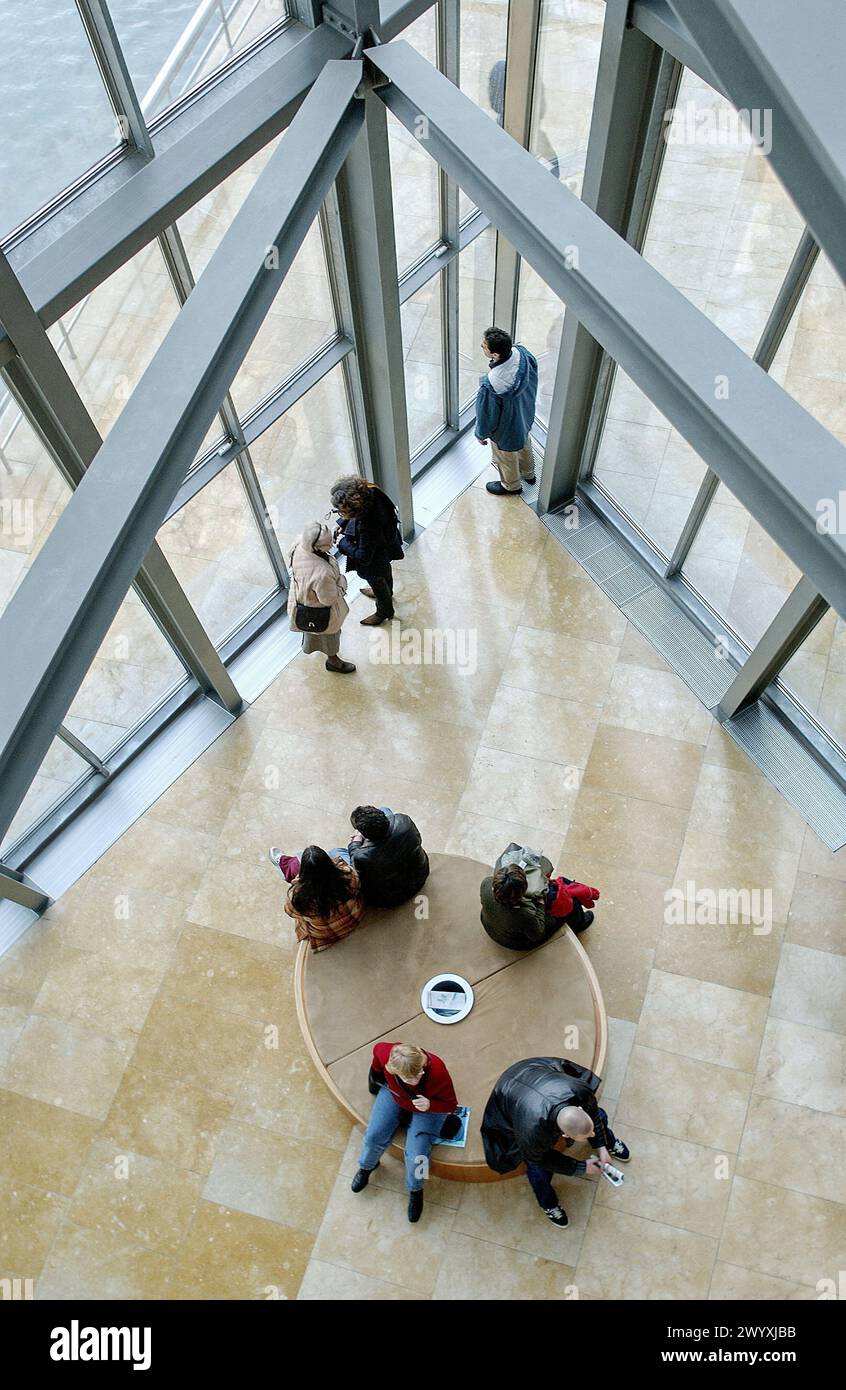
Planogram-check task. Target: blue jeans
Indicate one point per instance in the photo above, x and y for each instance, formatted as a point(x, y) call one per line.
point(541, 1182)
point(423, 1131)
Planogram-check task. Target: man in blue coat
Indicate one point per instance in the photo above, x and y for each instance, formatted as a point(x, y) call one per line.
point(505, 410)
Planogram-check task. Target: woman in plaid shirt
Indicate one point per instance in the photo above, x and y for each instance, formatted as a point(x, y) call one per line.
point(324, 899)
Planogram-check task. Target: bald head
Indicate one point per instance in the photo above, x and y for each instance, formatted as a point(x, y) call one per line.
point(575, 1122)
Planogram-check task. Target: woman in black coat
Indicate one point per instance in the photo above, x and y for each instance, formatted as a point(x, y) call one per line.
point(369, 536)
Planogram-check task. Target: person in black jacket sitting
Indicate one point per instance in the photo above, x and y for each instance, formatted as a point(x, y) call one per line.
point(369, 536)
point(538, 1106)
point(388, 856)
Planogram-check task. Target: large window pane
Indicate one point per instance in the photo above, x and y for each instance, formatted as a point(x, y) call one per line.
point(108, 340)
point(171, 46)
point(723, 231)
point(540, 319)
point(414, 174)
point(57, 119)
point(60, 770)
point(132, 672)
point(218, 555)
point(816, 676)
point(301, 317)
point(33, 495)
point(646, 466)
point(565, 78)
point(811, 360)
point(738, 568)
point(475, 310)
point(484, 32)
point(423, 353)
point(302, 454)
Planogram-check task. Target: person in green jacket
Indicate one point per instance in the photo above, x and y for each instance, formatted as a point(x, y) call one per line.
point(514, 899)
point(518, 901)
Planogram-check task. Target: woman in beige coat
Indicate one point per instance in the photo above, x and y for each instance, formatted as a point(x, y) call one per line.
point(317, 582)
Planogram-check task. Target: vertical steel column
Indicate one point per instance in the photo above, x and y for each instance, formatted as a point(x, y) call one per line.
point(365, 202)
point(449, 62)
point(110, 60)
point(775, 328)
point(634, 83)
point(182, 279)
point(520, 64)
point(46, 394)
point(798, 615)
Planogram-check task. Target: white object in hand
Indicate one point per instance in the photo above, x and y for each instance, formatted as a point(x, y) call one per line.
point(614, 1176)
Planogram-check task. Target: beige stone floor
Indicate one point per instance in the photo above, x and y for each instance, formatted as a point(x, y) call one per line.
point(163, 1132)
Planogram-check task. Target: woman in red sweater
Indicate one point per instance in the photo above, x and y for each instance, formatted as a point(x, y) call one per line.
point(407, 1082)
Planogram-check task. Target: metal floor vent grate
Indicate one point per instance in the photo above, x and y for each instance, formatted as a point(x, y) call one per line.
point(690, 653)
point(791, 769)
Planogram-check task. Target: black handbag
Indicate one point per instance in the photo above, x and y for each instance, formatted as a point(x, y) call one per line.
point(307, 618)
point(311, 619)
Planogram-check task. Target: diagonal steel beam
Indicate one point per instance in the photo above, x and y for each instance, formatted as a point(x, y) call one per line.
point(656, 19)
point(771, 453)
point(55, 622)
point(774, 56)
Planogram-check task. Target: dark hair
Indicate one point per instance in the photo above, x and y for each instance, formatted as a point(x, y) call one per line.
point(320, 886)
point(509, 884)
point(371, 822)
point(500, 342)
point(352, 494)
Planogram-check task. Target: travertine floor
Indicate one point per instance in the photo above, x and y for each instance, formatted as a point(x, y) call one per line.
point(163, 1132)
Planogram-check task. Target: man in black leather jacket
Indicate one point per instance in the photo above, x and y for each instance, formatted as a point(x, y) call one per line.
point(388, 855)
point(536, 1105)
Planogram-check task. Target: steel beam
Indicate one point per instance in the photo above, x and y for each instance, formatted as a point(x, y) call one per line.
point(774, 57)
point(776, 459)
point(182, 172)
point(634, 83)
point(20, 889)
point(56, 620)
point(365, 202)
point(396, 15)
point(798, 615)
point(656, 19)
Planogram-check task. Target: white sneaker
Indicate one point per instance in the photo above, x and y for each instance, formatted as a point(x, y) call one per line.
point(274, 855)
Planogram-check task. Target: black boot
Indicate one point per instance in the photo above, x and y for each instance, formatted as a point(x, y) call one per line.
point(361, 1179)
point(415, 1205)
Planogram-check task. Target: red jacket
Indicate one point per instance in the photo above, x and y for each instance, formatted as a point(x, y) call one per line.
point(562, 903)
point(435, 1083)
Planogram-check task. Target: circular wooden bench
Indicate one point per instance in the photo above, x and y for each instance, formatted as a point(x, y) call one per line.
point(366, 989)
